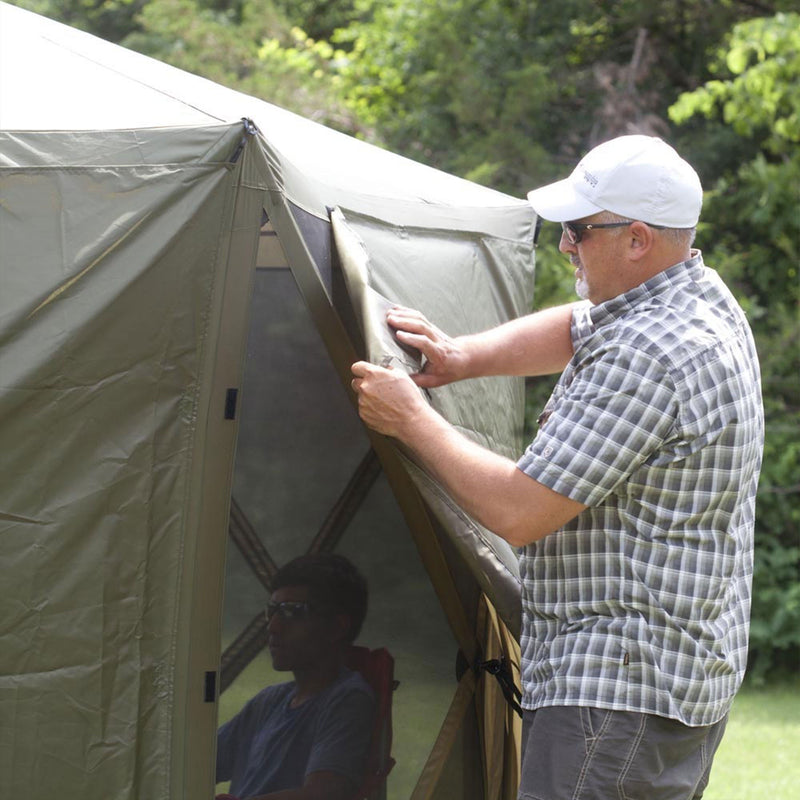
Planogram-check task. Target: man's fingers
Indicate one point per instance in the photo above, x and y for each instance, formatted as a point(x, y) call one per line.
point(359, 371)
point(406, 311)
point(425, 381)
point(423, 343)
point(405, 319)
point(361, 368)
point(387, 398)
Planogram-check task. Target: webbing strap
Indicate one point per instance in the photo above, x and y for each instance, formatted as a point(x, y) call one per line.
point(501, 670)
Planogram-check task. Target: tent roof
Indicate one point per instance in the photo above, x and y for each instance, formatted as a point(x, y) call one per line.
point(81, 82)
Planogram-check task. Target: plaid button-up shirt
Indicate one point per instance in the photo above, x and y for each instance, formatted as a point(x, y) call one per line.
point(642, 601)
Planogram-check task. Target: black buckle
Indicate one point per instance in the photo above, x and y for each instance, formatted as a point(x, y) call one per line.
point(501, 669)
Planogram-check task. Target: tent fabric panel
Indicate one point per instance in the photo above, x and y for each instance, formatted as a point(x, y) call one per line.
point(104, 323)
point(323, 169)
point(492, 562)
point(464, 282)
point(501, 726)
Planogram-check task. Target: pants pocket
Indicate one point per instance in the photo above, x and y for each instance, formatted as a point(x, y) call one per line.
point(594, 721)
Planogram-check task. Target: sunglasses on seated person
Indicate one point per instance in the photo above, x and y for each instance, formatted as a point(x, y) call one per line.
point(574, 230)
point(289, 610)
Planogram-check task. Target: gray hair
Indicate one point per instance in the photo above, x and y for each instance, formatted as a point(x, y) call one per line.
point(680, 237)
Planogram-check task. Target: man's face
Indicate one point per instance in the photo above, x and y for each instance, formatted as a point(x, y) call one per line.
point(300, 641)
point(597, 258)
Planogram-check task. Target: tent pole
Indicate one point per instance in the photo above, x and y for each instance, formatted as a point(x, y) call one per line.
point(247, 645)
point(349, 502)
point(244, 536)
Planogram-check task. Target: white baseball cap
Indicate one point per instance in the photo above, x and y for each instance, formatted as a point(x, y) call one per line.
point(640, 177)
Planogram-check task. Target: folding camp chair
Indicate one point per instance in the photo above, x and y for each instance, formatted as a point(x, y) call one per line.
point(377, 668)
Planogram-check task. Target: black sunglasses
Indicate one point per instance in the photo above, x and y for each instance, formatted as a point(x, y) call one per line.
point(574, 230)
point(289, 610)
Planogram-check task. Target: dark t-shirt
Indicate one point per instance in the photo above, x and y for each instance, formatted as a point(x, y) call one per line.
point(269, 746)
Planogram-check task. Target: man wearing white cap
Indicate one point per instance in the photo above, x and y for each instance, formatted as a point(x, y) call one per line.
point(634, 503)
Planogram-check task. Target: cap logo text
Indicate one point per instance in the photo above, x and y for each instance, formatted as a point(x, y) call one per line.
point(590, 179)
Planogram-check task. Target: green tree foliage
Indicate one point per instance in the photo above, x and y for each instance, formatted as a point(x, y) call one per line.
point(442, 81)
point(318, 18)
point(509, 93)
point(251, 47)
point(752, 223)
point(108, 19)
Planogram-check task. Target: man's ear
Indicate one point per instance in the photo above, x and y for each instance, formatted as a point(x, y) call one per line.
point(642, 239)
point(339, 628)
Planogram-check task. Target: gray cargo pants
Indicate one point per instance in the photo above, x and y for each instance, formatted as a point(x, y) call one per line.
point(592, 754)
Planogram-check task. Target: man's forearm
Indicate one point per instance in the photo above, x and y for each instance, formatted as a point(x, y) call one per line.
point(537, 344)
point(488, 486)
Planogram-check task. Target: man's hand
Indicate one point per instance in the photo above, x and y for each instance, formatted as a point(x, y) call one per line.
point(446, 358)
point(388, 400)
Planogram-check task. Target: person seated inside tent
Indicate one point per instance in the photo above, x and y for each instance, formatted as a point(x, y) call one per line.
point(309, 737)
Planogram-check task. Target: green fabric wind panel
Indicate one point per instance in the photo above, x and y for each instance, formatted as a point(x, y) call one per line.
point(112, 293)
point(466, 270)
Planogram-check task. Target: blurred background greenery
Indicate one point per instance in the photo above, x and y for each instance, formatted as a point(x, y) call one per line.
point(510, 94)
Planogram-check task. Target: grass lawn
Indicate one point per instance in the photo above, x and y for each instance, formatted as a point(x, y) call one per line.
point(759, 758)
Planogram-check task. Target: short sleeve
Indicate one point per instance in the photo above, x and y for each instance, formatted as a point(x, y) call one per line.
point(614, 411)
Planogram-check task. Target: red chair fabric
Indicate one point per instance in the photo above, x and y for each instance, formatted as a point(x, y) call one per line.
point(377, 668)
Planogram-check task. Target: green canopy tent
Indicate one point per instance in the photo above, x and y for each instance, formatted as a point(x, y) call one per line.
point(186, 275)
